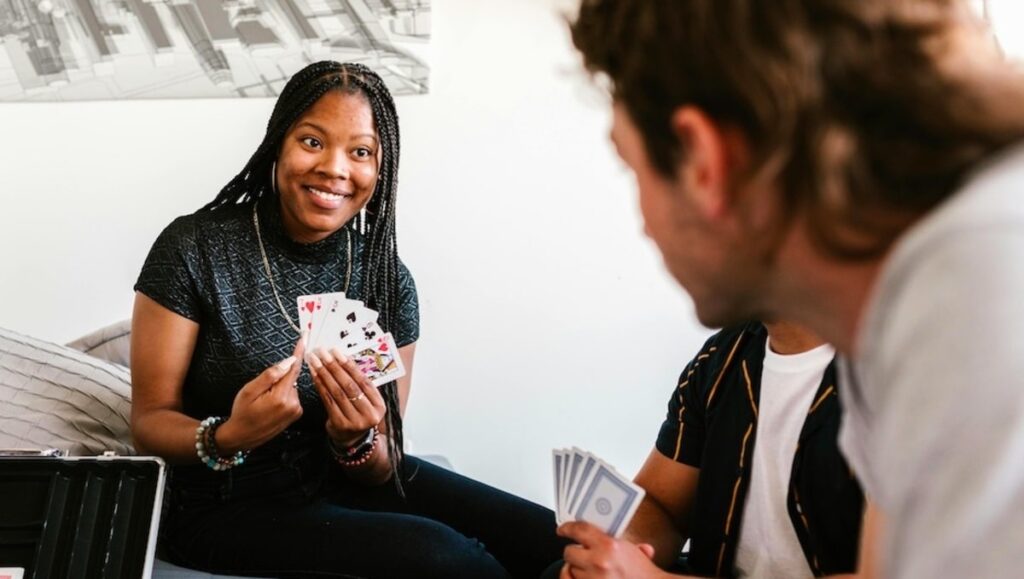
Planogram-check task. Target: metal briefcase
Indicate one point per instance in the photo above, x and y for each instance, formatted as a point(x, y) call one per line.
point(78, 517)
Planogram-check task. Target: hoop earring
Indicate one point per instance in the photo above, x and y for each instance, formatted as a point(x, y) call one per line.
point(273, 177)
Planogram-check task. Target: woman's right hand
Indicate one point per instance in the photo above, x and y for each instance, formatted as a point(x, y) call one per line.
point(264, 407)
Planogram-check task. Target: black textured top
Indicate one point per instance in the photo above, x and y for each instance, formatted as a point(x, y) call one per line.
point(207, 267)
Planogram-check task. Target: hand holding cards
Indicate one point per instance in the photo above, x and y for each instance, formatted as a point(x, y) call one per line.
point(589, 489)
point(333, 321)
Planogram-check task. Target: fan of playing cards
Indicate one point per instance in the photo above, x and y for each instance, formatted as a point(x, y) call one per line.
point(589, 489)
point(334, 321)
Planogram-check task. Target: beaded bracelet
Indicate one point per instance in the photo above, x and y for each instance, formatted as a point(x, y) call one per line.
point(206, 446)
point(357, 448)
point(362, 457)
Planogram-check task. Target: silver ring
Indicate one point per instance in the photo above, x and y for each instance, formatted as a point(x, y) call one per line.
point(357, 398)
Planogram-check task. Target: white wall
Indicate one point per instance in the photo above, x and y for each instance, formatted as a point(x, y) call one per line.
point(1006, 17)
point(547, 318)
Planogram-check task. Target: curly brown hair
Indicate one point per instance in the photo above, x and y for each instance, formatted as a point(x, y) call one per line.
point(868, 112)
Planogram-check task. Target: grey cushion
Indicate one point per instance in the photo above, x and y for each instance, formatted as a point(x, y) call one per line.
point(53, 396)
point(112, 343)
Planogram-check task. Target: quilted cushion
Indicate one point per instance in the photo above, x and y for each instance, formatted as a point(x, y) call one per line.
point(111, 343)
point(53, 396)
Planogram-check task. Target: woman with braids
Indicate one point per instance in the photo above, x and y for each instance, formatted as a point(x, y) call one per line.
point(282, 468)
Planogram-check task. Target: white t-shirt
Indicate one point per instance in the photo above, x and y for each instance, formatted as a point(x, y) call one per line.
point(768, 547)
point(933, 406)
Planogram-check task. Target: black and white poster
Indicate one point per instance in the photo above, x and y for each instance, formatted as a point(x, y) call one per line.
point(66, 50)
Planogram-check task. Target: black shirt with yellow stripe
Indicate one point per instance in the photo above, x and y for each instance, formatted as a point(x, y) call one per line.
point(712, 425)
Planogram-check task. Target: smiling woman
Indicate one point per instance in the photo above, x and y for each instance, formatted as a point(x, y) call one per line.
point(327, 169)
point(281, 470)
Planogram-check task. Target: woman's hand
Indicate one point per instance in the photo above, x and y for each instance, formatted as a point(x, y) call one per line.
point(352, 402)
point(264, 407)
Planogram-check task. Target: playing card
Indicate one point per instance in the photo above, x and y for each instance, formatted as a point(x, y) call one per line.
point(364, 331)
point(556, 459)
point(312, 311)
point(609, 500)
point(589, 462)
point(332, 321)
point(576, 458)
point(566, 460)
point(351, 326)
point(308, 306)
point(334, 307)
point(371, 330)
point(378, 360)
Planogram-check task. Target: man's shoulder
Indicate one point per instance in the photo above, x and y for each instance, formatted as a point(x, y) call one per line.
point(989, 203)
point(960, 252)
point(956, 251)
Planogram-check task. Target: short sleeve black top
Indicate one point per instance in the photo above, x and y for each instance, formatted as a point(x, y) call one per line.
point(711, 425)
point(208, 268)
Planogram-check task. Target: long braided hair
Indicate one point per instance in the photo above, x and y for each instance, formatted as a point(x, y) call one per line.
point(380, 257)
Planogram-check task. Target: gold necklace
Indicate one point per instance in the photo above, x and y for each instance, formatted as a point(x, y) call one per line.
point(270, 275)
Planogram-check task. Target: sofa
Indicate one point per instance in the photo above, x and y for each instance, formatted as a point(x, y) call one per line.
point(76, 398)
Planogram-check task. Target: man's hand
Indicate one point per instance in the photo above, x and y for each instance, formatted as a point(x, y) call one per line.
point(598, 555)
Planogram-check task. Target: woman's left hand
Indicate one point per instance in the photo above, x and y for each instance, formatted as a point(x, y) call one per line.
point(353, 404)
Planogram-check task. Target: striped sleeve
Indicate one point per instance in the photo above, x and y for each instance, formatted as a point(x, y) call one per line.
point(681, 437)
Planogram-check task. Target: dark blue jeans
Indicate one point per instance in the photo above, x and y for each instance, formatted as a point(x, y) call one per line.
point(296, 520)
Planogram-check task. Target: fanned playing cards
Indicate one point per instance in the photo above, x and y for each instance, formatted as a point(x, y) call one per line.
point(334, 321)
point(589, 489)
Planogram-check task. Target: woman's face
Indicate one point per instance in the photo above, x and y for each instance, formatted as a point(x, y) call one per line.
point(327, 167)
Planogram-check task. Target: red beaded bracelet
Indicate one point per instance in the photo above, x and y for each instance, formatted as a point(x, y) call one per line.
point(361, 458)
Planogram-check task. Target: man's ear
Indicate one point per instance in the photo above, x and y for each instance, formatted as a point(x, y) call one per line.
point(710, 153)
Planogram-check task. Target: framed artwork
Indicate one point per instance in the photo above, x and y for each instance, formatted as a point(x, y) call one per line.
point(64, 50)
